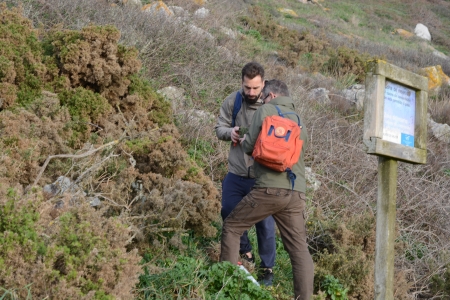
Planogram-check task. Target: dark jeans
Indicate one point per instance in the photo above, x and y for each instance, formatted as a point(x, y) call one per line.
point(234, 188)
point(287, 208)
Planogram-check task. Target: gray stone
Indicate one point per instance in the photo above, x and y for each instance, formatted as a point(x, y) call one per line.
point(94, 201)
point(311, 179)
point(321, 95)
point(175, 95)
point(201, 13)
point(422, 32)
point(440, 131)
point(229, 32)
point(200, 32)
point(355, 94)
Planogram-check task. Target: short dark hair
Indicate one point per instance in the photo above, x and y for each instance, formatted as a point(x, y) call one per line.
point(252, 69)
point(275, 86)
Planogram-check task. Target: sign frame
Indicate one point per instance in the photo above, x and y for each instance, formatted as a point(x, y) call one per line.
point(378, 72)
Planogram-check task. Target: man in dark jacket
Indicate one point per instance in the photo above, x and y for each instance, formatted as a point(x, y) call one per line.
point(240, 177)
point(274, 195)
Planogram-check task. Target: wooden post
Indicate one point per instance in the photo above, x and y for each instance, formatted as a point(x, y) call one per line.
point(395, 115)
point(385, 234)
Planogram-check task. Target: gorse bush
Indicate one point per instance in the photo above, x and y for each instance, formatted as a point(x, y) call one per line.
point(93, 95)
point(50, 255)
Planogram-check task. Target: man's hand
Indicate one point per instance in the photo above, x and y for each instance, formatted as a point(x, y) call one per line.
point(235, 135)
point(241, 140)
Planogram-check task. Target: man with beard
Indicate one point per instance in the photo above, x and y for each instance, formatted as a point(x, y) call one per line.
point(240, 177)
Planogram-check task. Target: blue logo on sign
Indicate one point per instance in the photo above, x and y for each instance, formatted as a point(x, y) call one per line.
point(407, 140)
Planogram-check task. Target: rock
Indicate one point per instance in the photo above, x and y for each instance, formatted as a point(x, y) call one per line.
point(201, 13)
point(174, 95)
point(158, 8)
point(178, 11)
point(132, 2)
point(404, 33)
point(60, 186)
point(355, 94)
point(311, 179)
point(440, 54)
point(321, 95)
point(200, 32)
point(440, 131)
point(422, 32)
point(94, 201)
point(436, 77)
point(229, 32)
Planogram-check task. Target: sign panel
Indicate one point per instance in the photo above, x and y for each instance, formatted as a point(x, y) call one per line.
point(399, 114)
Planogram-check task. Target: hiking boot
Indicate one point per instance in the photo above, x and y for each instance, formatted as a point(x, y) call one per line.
point(249, 259)
point(265, 277)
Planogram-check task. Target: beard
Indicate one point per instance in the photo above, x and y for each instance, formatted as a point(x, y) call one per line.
point(251, 100)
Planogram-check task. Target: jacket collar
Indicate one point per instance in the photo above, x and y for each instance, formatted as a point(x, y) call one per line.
point(283, 101)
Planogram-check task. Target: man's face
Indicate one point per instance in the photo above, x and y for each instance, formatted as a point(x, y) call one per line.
point(252, 88)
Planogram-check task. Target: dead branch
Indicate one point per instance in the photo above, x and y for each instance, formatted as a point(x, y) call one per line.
point(90, 152)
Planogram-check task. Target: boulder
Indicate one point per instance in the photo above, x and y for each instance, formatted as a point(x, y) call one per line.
point(355, 94)
point(201, 13)
point(178, 11)
point(174, 95)
point(436, 77)
point(404, 33)
point(159, 8)
point(440, 54)
point(422, 32)
point(440, 131)
point(321, 95)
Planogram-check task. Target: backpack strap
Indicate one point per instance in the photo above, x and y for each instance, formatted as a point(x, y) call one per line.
point(281, 114)
point(291, 175)
point(236, 108)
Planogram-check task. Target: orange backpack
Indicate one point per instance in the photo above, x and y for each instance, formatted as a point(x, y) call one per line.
point(278, 146)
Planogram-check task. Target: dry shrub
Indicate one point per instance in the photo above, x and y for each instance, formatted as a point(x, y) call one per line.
point(27, 138)
point(349, 189)
point(146, 182)
point(91, 58)
point(439, 105)
point(78, 254)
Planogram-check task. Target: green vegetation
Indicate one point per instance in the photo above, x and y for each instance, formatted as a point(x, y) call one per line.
point(334, 288)
point(195, 278)
point(77, 86)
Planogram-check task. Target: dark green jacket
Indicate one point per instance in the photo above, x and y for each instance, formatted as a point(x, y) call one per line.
point(266, 177)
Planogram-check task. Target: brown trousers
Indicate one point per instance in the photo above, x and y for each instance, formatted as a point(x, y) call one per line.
point(287, 208)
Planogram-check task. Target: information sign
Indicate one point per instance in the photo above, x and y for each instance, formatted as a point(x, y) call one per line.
point(399, 114)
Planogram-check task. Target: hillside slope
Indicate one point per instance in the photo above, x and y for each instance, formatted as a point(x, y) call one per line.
point(79, 82)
